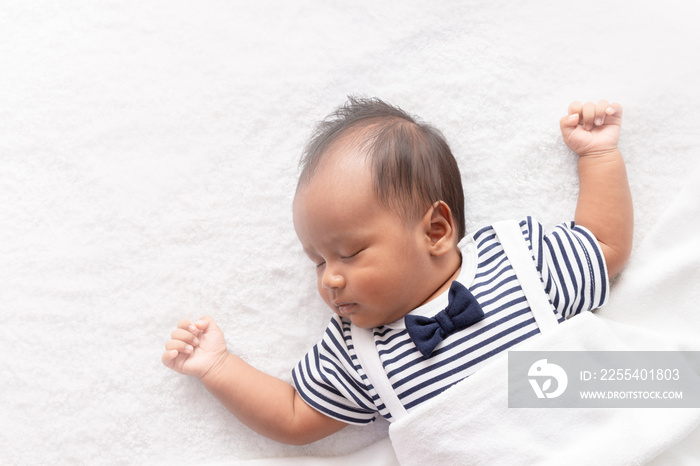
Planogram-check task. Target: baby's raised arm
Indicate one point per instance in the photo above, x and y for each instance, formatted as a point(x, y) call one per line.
point(604, 203)
point(264, 403)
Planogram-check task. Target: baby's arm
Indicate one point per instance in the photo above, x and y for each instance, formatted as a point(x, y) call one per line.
point(264, 403)
point(604, 202)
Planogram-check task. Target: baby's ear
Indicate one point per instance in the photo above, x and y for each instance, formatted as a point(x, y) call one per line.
point(440, 228)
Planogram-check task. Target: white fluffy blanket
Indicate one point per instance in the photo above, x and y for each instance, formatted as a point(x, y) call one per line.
point(148, 156)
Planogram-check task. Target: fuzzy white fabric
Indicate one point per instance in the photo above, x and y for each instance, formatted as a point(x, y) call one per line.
point(148, 158)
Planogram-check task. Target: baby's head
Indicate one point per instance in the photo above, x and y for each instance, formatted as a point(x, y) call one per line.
point(380, 209)
point(412, 166)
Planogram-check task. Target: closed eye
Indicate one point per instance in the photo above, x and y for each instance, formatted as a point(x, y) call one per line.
point(351, 255)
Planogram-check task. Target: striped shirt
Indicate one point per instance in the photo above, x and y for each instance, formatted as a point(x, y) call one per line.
point(574, 276)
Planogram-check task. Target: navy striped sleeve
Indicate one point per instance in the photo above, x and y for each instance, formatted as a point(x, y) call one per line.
point(326, 379)
point(571, 264)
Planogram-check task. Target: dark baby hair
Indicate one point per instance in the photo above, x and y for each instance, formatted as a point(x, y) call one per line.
point(412, 165)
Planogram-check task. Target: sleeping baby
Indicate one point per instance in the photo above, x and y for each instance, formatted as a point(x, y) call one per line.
point(419, 304)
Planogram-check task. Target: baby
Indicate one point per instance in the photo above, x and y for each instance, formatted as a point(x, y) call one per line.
point(379, 209)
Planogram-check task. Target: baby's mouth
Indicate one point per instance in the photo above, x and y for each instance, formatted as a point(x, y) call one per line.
point(344, 308)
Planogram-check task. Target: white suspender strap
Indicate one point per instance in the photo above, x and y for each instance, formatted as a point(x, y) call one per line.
point(515, 247)
point(363, 340)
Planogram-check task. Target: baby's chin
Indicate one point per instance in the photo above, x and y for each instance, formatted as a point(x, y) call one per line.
point(363, 321)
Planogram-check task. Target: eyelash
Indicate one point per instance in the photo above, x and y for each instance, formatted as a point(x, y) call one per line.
point(321, 264)
point(350, 256)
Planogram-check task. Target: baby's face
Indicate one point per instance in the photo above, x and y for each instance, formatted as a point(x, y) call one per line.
point(369, 263)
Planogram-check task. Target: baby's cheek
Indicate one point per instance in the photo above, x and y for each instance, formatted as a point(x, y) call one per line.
point(378, 291)
point(324, 296)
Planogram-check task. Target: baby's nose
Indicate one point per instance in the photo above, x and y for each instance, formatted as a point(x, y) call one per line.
point(333, 280)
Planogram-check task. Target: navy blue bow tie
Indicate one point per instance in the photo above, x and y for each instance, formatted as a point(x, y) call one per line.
point(462, 311)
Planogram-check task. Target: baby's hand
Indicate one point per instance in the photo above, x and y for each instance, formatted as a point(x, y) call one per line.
point(195, 348)
point(592, 128)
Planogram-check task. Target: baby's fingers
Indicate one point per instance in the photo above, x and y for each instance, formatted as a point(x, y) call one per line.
point(592, 114)
point(575, 107)
point(184, 335)
point(571, 120)
point(173, 350)
point(177, 345)
point(206, 323)
point(186, 324)
point(600, 111)
point(588, 114)
point(613, 113)
point(168, 358)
